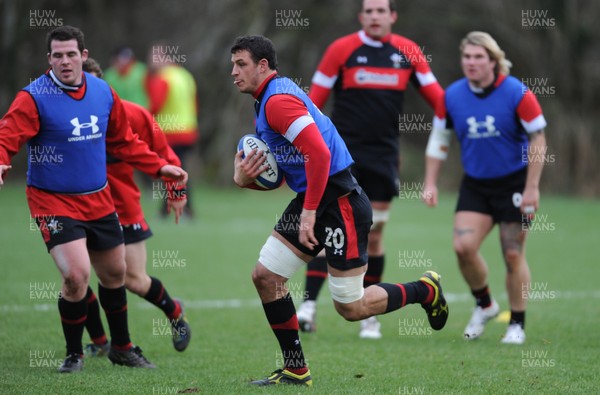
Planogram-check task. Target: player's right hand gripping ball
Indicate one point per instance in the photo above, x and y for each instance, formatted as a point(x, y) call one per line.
point(270, 178)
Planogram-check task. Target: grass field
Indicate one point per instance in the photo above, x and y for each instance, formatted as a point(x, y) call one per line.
point(207, 263)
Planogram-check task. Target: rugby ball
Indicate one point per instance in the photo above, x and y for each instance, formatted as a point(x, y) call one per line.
point(270, 178)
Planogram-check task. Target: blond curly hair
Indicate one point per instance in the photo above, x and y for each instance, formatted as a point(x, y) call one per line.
point(486, 41)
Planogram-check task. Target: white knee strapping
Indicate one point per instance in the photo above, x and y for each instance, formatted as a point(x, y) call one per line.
point(278, 258)
point(346, 289)
point(380, 216)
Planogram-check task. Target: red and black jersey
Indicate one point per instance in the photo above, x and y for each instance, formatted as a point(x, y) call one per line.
point(369, 78)
point(124, 191)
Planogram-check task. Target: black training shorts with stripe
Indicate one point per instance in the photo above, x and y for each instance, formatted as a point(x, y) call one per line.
point(342, 229)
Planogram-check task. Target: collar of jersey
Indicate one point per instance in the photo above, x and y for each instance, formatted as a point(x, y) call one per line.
point(258, 93)
point(64, 86)
point(372, 42)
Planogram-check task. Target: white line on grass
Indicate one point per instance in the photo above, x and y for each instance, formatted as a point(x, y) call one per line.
point(255, 302)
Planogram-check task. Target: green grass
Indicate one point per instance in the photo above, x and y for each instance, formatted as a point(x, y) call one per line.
point(232, 342)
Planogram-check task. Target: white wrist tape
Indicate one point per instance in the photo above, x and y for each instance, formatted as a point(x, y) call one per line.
point(439, 141)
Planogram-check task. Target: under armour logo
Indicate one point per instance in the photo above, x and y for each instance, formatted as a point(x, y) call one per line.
point(137, 226)
point(337, 252)
point(488, 125)
point(361, 59)
point(78, 126)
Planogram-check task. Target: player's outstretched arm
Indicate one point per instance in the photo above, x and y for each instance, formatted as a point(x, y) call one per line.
point(435, 153)
point(535, 165)
point(174, 173)
point(430, 191)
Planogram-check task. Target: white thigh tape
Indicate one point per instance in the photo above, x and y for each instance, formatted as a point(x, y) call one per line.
point(380, 216)
point(346, 289)
point(278, 258)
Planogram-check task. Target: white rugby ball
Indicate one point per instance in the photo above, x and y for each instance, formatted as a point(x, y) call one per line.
point(270, 178)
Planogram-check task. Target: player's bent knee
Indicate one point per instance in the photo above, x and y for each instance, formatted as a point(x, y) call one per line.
point(135, 284)
point(258, 277)
point(75, 282)
point(463, 249)
point(512, 257)
point(349, 312)
point(346, 290)
point(278, 258)
point(111, 279)
point(76, 276)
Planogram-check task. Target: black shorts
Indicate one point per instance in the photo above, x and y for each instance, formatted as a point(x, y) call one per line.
point(498, 197)
point(378, 178)
point(136, 232)
point(101, 234)
point(342, 229)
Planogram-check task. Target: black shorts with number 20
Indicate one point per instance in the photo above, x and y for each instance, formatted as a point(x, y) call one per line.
point(498, 197)
point(342, 229)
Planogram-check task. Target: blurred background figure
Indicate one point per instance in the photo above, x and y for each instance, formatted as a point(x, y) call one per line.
point(127, 76)
point(126, 197)
point(496, 119)
point(173, 102)
point(368, 72)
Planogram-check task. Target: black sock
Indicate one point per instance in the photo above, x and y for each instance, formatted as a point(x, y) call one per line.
point(482, 297)
point(72, 317)
point(158, 296)
point(93, 323)
point(316, 273)
point(399, 295)
point(374, 270)
point(114, 303)
point(281, 315)
point(517, 317)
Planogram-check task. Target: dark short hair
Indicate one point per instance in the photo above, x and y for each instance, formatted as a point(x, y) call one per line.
point(259, 48)
point(66, 33)
point(91, 66)
point(124, 52)
point(392, 4)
